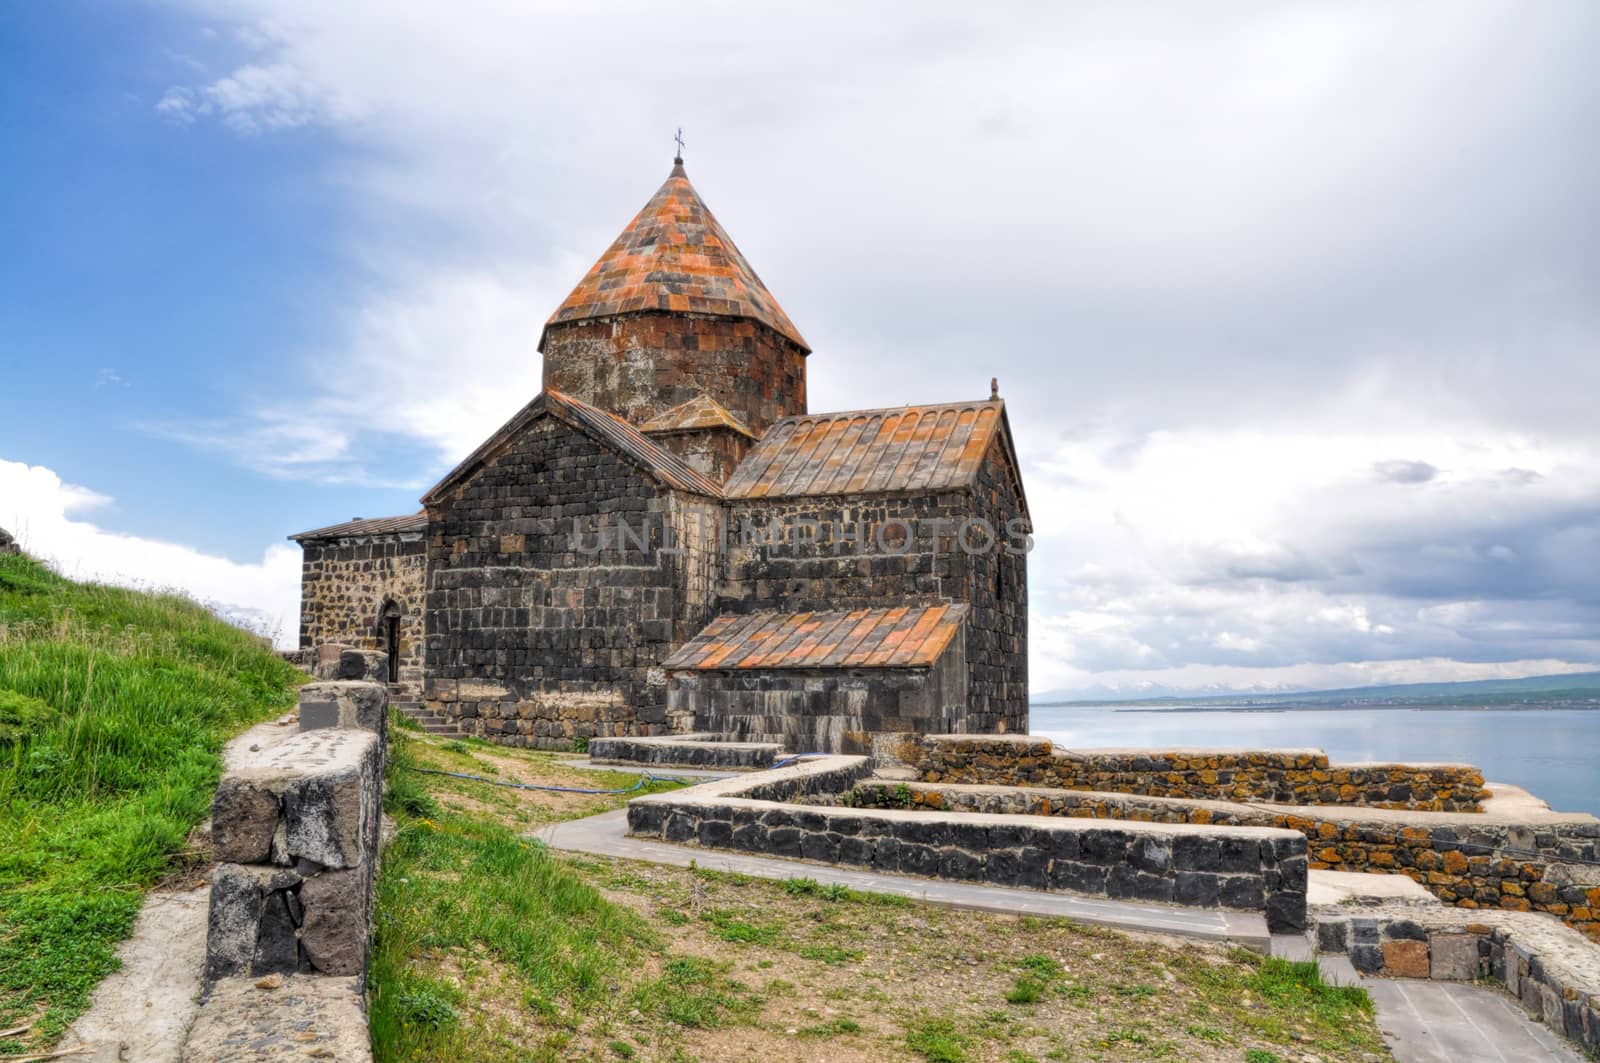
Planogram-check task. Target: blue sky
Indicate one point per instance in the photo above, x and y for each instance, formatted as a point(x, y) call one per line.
point(1294, 305)
point(159, 276)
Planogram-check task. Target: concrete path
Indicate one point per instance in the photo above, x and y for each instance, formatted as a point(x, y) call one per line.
point(142, 1011)
point(1442, 1022)
point(1449, 1022)
point(606, 835)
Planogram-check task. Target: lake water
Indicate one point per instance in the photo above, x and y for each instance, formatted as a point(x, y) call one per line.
point(1553, 753)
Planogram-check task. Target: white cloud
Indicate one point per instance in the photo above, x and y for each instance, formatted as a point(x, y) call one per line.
point(1290, 302)
point(45, 514)
point(256, 99)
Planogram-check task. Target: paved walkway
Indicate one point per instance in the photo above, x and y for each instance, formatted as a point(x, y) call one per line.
point(1447, 1022)
point(606, 835)
point(1443, 1022)
point(141, 1012)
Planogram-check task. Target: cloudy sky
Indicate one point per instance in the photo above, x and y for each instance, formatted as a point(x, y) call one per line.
point(1296, 306)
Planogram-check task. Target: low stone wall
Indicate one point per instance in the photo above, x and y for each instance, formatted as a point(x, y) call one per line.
point(1549, 968)
point(543, 720)
point(1536, 861)
point(685, 751)
point(1286, 776)
point(295, 829)
point(1242, 868)
point(295, 833)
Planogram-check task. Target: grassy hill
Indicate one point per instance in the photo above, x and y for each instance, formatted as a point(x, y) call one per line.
point(114, 706)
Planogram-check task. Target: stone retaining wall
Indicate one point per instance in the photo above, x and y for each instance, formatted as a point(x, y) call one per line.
point(1286, 776)
point(703, 750)
point(1540, 861)
point(295, 833)
point(1551, 970)
point(1244, 868)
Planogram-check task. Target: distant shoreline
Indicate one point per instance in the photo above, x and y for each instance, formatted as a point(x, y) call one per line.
point(1588, 705)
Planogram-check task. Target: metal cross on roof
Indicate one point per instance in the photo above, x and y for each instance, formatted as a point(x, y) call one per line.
point(678, 137)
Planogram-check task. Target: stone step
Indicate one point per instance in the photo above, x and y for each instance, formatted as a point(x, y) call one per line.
point(441, 728)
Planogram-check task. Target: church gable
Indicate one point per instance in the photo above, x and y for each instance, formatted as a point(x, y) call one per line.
point(606, 429)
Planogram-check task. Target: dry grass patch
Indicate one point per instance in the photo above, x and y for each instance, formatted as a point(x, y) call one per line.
point(640, 961)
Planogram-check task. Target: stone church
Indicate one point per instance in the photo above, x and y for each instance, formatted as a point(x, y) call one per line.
point(665, 540)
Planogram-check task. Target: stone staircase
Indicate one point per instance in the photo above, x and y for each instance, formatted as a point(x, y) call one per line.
point(429, 721)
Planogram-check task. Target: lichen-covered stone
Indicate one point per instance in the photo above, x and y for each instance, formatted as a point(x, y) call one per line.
point(244, 818)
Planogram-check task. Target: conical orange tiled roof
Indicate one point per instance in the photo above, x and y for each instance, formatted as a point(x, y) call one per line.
point(674, 256)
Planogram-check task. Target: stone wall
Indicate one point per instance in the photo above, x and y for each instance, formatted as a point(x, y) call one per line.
point(684, 751)
point(1534, 862)
point(773, 563)
point(345, 584)
point(825, 710)
point(640, 365)
point(537, 636)
point(1289, 776)
point(715, 451)
point(295, 833)
point(1243, 868)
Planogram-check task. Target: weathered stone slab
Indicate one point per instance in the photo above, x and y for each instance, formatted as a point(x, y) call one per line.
point(336, 921)
point(242, 899)
point(1453, 957)
point(326, 782)
point(244, 818)
point(343, 704)
point(281, 1018)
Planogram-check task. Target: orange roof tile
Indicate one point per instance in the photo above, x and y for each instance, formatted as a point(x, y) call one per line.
point(899, 637)
point(674, 256)
point(702, 411)
point(906, 448)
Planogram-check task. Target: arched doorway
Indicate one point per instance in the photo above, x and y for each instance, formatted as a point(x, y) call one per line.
point(389, 629)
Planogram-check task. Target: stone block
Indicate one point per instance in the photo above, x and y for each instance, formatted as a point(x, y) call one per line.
point(335, 929)
point(277, 943)
point(1196, 888)
point(244, 817)
point(1333, 935)
point(328, 783)
point(326, 817)
point(1367, 959)
point(239, 903)
point(1241, 891)
point(1453, 957)
point(1286, 911)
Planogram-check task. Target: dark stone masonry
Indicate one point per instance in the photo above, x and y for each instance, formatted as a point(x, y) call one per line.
point(1240, 868)
point(1293, 776)
point(667, 477)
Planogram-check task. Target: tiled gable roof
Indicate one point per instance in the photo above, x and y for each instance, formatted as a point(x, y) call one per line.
point(674, 256)
point(906, 448)
point(416, 522)
point(702, 411)
point(900, 637)
point(608, 428)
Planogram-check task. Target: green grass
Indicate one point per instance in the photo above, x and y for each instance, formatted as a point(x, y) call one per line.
point(466, 887)
point(937, 1040)
point(115, 705)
